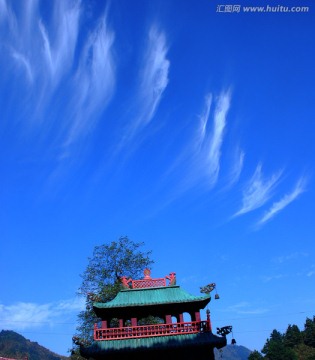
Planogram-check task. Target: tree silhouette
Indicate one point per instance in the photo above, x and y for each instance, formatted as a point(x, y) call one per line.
point(101, 281)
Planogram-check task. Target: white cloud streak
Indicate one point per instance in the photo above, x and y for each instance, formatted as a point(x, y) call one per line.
point(245, 308)
point(208, 142)
point(204, 118)
point(24, 315)
point(152, 84)
point(154, 77)
point(214, 152)
point(58, 50)
point(25, 64)
point(258, 191)
point(43, 48)
point(285, 258)
point(57, 66)
point(201, 158)
point(237, 167)
point(273, 277)
point(3, 10)
point(94, 82)
point(283, 202)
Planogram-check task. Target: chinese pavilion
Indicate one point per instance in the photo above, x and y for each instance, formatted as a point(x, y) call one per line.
point(170, 337)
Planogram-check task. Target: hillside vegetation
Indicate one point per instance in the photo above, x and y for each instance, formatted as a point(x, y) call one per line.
point(294, 344)
point(14, 345)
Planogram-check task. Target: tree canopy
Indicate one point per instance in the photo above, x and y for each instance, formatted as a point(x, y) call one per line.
point(255, 355)
point(309, 332)
point(111, 261)
point(291, 345)
point(101, 280)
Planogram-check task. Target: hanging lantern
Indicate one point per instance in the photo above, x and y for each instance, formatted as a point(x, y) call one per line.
point(233, 342)
point(208, 288)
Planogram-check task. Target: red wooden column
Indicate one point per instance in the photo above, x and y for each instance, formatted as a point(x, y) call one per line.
point(168, 319)
point(104, 324)
point(134, 321)
point(181, 318)
point(121, 323)
point(209, 320)
point(197, 316)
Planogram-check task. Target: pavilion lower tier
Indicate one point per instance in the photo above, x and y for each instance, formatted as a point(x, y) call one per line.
point(185, 346)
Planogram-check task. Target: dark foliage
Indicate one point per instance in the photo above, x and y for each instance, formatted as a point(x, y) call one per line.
point(255, 355)
point(293, 336)
point(101, 280)
point(16, 346)
point(292, 345)
point(309, 332)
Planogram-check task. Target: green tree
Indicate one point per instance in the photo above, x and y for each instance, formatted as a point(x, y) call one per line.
point(275, 339)
point(275, 348)
point(292, 336)
point(255, 355)
point(305, 352)
point(309, 332)
point(101, 280)
point(293, 345)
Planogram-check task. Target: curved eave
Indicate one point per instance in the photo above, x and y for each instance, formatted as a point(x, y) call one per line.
point(151, 299)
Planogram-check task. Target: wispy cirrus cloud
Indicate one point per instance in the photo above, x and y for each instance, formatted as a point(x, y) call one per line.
point(258, 191)
point(56, 66)
point(285, 258)
point(237, 165)
point(216, 137)
point(24, 63)
point(25, 315)
point(245, 308)
point(199, 162)
point(154, 77)
point(59, 44)
point(93, 83)
point(272, 277)
point(43, 48)
point(204, 118)
point(207, 147)
point(153, 80)
point(311, 272)
point(3, 10)
point(283, 202)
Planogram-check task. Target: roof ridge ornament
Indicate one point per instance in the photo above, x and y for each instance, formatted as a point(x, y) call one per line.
point(172, 278)
point(147, 273)
point(125, 282)
point(147, 281)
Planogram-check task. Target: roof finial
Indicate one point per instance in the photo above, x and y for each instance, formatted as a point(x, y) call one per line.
point(147, 273)
point(172, 278)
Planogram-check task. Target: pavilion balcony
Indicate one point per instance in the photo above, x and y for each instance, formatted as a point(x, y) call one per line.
point(132, 332)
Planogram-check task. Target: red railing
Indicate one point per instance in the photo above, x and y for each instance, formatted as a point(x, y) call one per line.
point(148, 283)
point(130, 332)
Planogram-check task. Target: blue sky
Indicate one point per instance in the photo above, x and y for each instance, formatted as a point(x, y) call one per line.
point(173, 123)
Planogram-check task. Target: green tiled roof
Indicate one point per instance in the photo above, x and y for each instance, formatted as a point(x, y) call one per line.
point(161, 342)
point(151, 296)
